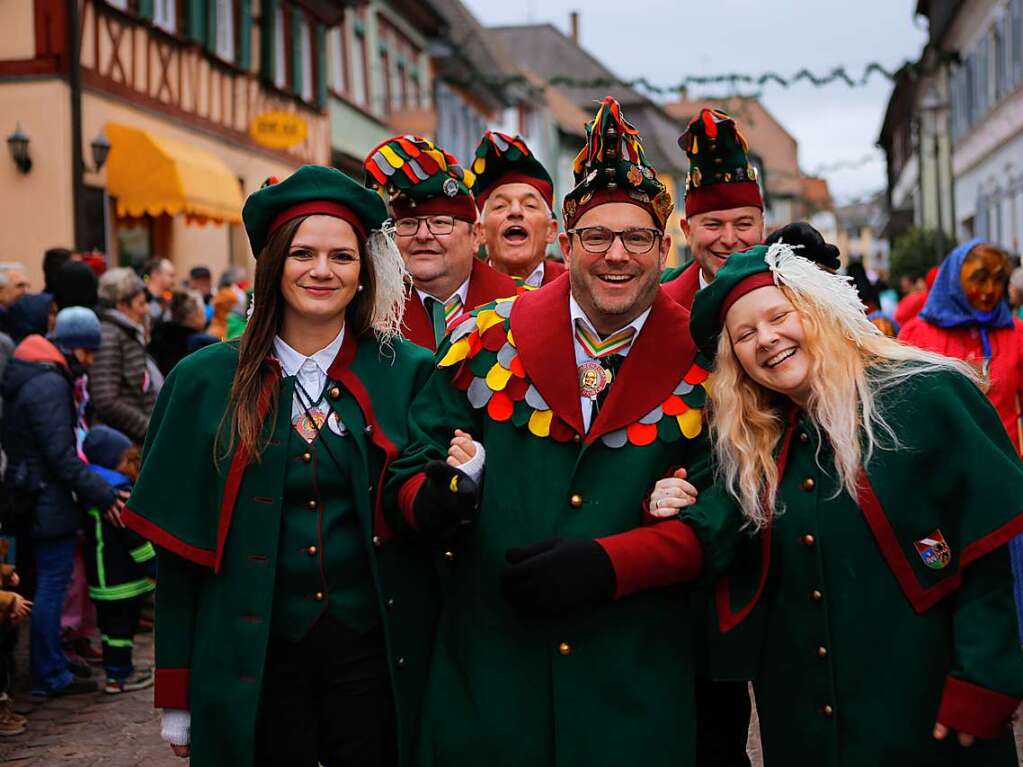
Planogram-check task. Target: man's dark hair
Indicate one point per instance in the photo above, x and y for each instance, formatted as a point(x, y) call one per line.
point(53, 259)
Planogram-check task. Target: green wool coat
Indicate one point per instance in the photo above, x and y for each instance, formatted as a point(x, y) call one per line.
point(612, 685)
point(864, 621)
point(218, 528)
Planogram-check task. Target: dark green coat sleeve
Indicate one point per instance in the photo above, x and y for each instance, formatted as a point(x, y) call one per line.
point(176, 592)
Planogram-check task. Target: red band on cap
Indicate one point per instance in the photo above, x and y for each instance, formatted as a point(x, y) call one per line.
point(748, 285)
point(738, 194)
point(318, 208)
point(460, 207)
point(612, 195)
point(513, 177)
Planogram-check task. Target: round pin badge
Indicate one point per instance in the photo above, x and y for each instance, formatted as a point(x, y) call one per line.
point(593, 379)
point(450, 187)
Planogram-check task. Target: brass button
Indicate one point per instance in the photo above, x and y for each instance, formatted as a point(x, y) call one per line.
point(808, 540)
point(804, 437)
point(312, 504)
point(816, 596)
point(822, 652)
point(369, 428)
point(808, 484)
point(828, 711)
point(311, 551)
point(307, 457)
point(400, 662)
point(576, 439)
point(334, 392)
point(390, 604)
point(565, 648)
point(318, 596)
point(449, 555)
point(576, 501)
point(377, 541)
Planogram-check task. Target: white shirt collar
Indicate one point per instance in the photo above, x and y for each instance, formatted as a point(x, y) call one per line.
point(535, 277)
point(703, 280)
point(576, 313)
point(462, 293)
point(291, 360)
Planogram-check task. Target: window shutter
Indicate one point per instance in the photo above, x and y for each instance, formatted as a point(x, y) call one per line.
point(296, 51)
point(195, 20)
point(146, 9)
point(268, 16)
point(211, 25)
point(243, 52)
point(321, 65)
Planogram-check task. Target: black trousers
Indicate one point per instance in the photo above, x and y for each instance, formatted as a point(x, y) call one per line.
point(118, 620)
point(327, 700)
point(722, 723)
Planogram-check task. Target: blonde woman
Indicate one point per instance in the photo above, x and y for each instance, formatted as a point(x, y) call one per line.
point(878, 489)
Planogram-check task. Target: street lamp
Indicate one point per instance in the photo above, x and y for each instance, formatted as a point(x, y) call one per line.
point(17, 142)
point(100, 149)
point(936, 107)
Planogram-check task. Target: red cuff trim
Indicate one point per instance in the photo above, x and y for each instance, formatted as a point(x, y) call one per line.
point(165, 540)
point(649, 557)
point(171, 688)
point(975, 710)
point(407, 496)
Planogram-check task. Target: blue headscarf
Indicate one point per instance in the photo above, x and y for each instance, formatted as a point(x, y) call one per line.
point(948, 307)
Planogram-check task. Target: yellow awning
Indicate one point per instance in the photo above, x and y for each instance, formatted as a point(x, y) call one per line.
point(152, 175)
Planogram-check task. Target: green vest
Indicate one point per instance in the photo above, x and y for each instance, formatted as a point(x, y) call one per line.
point(322, 564)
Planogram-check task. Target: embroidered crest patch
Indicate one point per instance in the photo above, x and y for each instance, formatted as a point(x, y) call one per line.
point(934, 551)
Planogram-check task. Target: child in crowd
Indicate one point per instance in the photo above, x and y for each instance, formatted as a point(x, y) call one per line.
point(14, 608)
point(120, 564)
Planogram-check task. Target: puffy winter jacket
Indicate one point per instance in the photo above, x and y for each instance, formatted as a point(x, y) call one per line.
point(39, 440)
point(121, 388)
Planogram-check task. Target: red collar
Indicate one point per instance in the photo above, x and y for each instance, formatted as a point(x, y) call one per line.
point(661, 354)
point(683, 288)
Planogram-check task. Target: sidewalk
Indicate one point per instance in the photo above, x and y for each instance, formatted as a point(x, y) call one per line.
point(86, 730)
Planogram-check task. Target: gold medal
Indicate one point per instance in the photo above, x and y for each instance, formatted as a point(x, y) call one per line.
point(593, 379)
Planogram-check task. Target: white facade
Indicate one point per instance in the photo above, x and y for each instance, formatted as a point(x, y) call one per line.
point(987, 121)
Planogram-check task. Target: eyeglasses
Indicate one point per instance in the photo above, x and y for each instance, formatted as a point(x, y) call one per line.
point(409, 227)
point(598, 239)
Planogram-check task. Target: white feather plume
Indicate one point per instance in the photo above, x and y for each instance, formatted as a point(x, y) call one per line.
point(393, 282)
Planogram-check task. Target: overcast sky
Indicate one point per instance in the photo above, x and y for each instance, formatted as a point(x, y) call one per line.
point(664, 40)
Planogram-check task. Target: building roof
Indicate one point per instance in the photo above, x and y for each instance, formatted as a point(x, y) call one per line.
point(570, 118)
point(549, 53)
point(815, 193)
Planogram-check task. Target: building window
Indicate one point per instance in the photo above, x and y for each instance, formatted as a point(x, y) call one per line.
point(1016, 38)
point(305, 55)
point(998, 64)
point(385, 77)
point(225, 29)
point(338, 50)
point(280, 50)
point(165, 15)
point(360, 73)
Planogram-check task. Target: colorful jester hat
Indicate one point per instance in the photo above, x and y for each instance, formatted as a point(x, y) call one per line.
point(418, 178)
point(613, 168)
point(503, 159)
point(721, 176)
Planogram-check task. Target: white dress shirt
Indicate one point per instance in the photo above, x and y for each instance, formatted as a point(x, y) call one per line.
point(462, 293)
point(310, 372)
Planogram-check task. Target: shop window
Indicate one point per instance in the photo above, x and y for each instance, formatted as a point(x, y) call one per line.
point(134, 241)
point(95, 204)
point(165, 15)
point(225, 29)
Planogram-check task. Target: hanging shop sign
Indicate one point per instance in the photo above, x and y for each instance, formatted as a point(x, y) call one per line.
point(278, 130)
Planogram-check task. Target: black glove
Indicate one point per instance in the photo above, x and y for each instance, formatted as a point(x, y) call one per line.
point(447, 500)
point(551, 577)
point(814, 247)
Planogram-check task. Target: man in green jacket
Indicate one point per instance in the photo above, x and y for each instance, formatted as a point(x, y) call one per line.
point(564, 634)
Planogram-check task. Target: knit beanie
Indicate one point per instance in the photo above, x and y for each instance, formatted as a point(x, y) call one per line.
point(104, 446)
point(77, 328)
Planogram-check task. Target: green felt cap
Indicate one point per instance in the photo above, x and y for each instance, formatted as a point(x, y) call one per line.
point(310, 190)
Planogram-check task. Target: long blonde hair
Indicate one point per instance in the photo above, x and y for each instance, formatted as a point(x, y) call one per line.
point(851, 363)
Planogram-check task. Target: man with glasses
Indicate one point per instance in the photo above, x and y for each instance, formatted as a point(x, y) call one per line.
point(724, 206)
point(434, 212)
point(515, 197)
point(564, 635)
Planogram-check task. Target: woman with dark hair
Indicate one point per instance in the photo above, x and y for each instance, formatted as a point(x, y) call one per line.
point(183, 333)
point(293, 630)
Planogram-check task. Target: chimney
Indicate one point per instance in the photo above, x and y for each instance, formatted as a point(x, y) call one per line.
point(573, 20)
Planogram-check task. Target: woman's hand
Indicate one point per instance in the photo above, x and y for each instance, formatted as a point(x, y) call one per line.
point(22, 609)
point(113, 514)
point(462, 449)
point(941, 732)
point(181, 751)
point(671, 494)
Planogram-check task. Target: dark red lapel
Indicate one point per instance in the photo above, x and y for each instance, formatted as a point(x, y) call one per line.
point(416, 325)
point(659, 357)
point(542, 328)
point(486, 284)
point(552, 270)
point(682, 289)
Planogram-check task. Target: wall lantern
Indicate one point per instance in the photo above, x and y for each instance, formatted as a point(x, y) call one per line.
point(100, 149)
point(17, 142)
